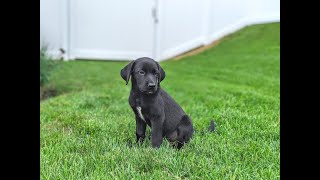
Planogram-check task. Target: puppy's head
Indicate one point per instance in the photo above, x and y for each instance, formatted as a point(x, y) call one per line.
point(145, 73)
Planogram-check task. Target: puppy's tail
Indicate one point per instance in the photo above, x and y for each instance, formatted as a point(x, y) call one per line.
point(212, 126)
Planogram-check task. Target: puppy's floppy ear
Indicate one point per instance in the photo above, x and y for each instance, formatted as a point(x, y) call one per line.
point(126, 72)
point(162, 73)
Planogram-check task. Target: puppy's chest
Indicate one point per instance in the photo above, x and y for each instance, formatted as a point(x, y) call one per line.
point(145, 113)
point(139, 110)
point(145, 109)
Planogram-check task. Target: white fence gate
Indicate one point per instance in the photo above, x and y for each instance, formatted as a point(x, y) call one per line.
point(116, 29)
point(160, 29)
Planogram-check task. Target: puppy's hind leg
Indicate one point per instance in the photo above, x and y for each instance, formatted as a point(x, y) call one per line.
point(184, 131)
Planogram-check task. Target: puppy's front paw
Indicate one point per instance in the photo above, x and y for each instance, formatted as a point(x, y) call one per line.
point(140, 138)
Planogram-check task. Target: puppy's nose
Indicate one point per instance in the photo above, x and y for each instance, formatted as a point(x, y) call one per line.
point(151, 85)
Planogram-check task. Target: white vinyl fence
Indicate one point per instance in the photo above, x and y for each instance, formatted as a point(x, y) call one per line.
point(160, 29)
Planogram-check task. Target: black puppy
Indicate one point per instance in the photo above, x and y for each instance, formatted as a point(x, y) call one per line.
point(153, 106)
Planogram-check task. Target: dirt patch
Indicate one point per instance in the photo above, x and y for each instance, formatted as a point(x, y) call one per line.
point(47, 92)
point(197, 50)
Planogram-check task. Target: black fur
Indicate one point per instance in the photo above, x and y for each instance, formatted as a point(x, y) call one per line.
point(165, 117)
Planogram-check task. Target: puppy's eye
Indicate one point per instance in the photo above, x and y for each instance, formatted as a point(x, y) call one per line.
point(141, 72)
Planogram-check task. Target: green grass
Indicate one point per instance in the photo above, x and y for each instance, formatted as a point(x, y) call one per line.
point(88, 131)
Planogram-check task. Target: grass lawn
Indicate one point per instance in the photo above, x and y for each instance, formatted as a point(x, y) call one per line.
point(88, 131)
